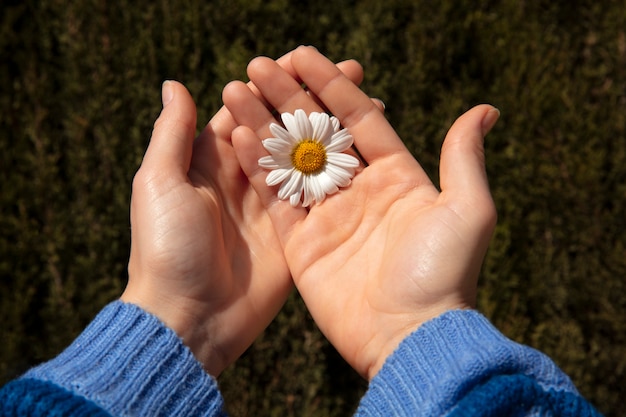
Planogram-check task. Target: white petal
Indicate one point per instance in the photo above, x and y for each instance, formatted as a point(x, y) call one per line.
point(335, 122)
point(342, 160)
point(290, 124)
point(306, 194)
point(340, 141)
point(294, 200)
point(277, 145)
point(327, 183)
point(309, 192)
point(268, 162)
point(277, 176)
point(320, 194)
point(275, 162)
point(322, 129)
point(283, 160)
point(303, 125)
point(316, 188)
point(341, 176)
point(293, 185)
point(280, 133)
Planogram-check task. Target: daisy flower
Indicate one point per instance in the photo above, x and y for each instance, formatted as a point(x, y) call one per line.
point(306, 157)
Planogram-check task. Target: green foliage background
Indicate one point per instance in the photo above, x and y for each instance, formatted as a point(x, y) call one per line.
point(79, 92)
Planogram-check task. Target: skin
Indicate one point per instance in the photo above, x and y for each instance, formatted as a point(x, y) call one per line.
point(390, 252)
point(204, 257)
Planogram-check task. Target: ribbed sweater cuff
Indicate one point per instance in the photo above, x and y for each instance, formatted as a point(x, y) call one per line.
point(444, 359)
point(129, 363)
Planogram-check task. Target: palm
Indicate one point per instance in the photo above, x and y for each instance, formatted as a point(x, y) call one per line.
point(389, 252)
point(209, 245)
point(236, 229)
point(371, 276)
point(205, 257)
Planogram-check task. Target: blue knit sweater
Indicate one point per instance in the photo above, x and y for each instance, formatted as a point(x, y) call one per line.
point(127, 363)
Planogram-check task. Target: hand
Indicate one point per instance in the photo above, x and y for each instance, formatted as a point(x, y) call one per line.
point(384, 255)
point(204, 256)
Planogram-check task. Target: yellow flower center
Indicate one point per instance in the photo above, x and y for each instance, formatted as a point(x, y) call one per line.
point(309, 156)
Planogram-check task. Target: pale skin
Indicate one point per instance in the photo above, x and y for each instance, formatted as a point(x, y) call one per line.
point(214, 253)
point(205, 258)
point(390, 252)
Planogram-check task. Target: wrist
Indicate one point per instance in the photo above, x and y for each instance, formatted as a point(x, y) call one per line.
point(126, 351)
point(393, 338)
point(190, 326)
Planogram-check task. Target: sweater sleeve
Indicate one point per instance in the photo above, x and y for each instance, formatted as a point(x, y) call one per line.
point(125, 363)
point(460, 364)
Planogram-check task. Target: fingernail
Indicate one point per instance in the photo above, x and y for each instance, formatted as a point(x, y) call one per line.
point(382, 103)
point(167, 93)
point(490, 119)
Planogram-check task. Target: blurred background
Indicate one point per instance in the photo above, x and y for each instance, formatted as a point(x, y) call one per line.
point(80, 90)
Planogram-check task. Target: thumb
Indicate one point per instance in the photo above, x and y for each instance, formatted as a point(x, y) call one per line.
point(462, 168)
point(171, 144)
point(464, 184)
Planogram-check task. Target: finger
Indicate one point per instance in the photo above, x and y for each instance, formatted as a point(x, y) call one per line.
point(351, 68)
point(373, 135)
point(222, 124)
point(462, 167)
point(279, 88)
point(379, 103)
point(249, 111)
point(171, 144)
point(249, 149)
point(282, 88)
point(463, 177)
point(246, 108)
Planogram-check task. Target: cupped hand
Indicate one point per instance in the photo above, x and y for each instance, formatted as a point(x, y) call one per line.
point(389, 252)
point(204, 258)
